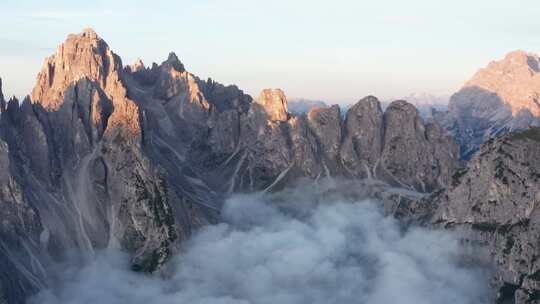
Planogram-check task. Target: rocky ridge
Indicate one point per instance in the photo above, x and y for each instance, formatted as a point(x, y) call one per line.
point(103, 155)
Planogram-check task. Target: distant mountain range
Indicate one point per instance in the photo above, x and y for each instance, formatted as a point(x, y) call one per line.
point(301, 105)
point(426, 99)
point(424, 102)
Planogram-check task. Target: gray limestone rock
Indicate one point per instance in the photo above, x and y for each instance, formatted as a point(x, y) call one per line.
point(363, 143)
point(415, 155)
point(496, 198)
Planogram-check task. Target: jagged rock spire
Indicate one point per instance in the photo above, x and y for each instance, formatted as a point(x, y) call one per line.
point(86, 56)
point(81, 55)
point(275, 104)
point(137, 65)
point(173, 61)
point(363, 136)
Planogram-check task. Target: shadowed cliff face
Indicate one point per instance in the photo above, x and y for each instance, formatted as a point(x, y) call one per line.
point(135, 158)
point(476, 115)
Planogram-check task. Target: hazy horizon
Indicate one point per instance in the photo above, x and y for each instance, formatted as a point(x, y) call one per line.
point(336, 52)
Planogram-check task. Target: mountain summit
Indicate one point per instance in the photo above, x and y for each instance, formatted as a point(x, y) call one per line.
point(275, 104)
point(85, 67)
point(514, 79)
point(500, 97)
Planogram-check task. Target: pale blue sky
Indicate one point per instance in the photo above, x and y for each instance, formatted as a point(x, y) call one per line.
point(337, 50)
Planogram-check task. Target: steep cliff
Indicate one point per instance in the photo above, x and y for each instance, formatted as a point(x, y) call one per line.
point(495, 198)
point(397, 147)
point(77, 178)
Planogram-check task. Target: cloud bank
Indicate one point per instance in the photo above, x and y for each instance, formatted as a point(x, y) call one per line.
point(294, 248)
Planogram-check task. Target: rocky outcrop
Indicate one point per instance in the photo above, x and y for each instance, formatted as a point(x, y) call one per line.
point(415, 153)
point(325, 123)
point(496, 198)
point(274, 103)
point(266, 153)
point(500, 97)
point(363, 142)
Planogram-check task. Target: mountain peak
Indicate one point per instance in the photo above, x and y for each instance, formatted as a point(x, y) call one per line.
point(522, 58)
point(514, 80)
point(369, 104)
point(85, 56)
point(504, 95)
point(402, 104)
point(82, 55)
point(369, 99)
point(90, 33)
point(274, 102)
point(174, 62)
point(137, 65)
point(518, 54)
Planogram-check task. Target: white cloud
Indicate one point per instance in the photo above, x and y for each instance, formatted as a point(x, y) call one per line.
point(293, 247)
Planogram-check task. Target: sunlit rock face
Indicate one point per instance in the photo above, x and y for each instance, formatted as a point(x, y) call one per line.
point(136, 158)
point(500, 97)
point(274, 103)
point(87, 56)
